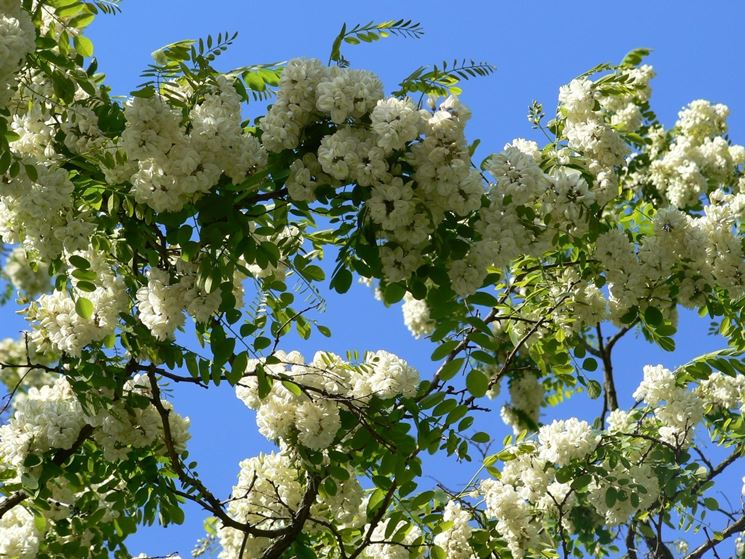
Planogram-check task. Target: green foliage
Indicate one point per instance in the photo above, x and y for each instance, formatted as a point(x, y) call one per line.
point(371, 32)
point(444, 79)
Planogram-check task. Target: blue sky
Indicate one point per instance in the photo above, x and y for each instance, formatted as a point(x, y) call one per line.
point(536, 46)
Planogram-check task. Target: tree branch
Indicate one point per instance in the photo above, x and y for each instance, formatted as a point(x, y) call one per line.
point(207, 500)
point(731, 530)
point(282, 543)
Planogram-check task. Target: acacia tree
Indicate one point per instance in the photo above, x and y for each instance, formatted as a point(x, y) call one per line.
point(120, 219)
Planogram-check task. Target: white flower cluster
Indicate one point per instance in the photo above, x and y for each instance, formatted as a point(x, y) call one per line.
point(370, 154)
point(82, 133)
point(704, 251)
point(563, 441)
point(454, 539)
point(677, 409)
point(269, 491)
point(516, 522)
point(21, 352)
point(19, 538)
point(60, 327)
point(48, 417)
point(307, 89)
point(528, 489)
point(29, 277)
point(175, 166)
point(592, 117)
point(217, 135)
point(698, 157)
point(309, 414)
point(526, 397)
point(723, 391)
point(17, 40)
point(162, 302)
point(527, 493)
point(416, 317)
point(559, 203)
point(35, 129)
point(39, 214)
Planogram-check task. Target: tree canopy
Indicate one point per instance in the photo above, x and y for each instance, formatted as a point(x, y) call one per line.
point(127, 222)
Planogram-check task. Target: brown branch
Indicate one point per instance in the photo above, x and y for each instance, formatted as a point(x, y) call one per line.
point(206, 499)
point(731, 530)
point(610, 398)
point(376, 518)
point(518, 346)
point(282, 543)
point(631, 542)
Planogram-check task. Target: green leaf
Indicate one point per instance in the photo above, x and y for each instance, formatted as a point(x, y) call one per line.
point(83, 45)
point(451, 368)
point(484, 299)
point(635, 56)
point(610, 497)
point(581, 481)
point(711, 503)
point(594, 389)
point(81, 21)
point(237, 368)
point(443, 350)
point(481, 437)
point(342, 280)
point(653, 316)
point(589, 364)
point(84, 285)
point(191, 365)
point(292, 387)
point(371, 32)
point(393, 293)
point(79, 262)
point(563, 475)
point(376, 500)
point(262, 343)
point(40, 523)
point(432, 400)
point(31, 172)
point(265, 383)
point(477, 383)
point(313, 273)
point(84, 307)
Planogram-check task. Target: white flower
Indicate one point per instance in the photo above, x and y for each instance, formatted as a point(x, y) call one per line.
point(701, 119)
point(396, 122)
point(563, 441)
point(19, 537)
point(454, 540)
point(348, 93)
point(416, 316)
point(391, 376)
point(160, 304)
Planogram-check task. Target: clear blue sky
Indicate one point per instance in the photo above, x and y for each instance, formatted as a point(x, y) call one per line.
point(536, 46)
